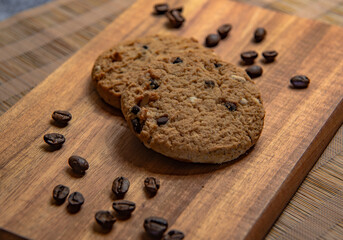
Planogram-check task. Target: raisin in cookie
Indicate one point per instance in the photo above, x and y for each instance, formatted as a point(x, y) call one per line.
point(194, 107)
point(115, 69)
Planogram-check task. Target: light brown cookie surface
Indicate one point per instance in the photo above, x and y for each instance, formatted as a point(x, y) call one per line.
point(116, 68)
point(200, 109)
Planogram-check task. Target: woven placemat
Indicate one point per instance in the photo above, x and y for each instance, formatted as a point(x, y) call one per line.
point(36, 42)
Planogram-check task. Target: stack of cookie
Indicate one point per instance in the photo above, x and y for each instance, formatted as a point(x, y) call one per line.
point(180, 99)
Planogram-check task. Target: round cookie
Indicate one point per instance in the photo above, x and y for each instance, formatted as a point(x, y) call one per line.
point(200, 109)
point(115, 69)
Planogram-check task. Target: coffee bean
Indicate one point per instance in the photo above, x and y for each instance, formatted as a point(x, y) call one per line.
point(155, 226)
point(254, 71)
point(60, 193)
point(224, 30)
point(120, 186)
point(175, 18)
point(300, 81)
point(78, 164)
point(161, 8)
point(249, 57)
point(152, 185)
point(124, 207)
point(212, 40)
point(217, 65)
point(209, 84)
point(136, 125)
point(174, 235)
point(105, 219)
point(54, 139)
point(162, 120)
point(135, 109)
point(177, 60)
point(153, 84)
point(269, 56)
point(259, 34)
point(61, 116)
point(231, 106)
point(75, 201)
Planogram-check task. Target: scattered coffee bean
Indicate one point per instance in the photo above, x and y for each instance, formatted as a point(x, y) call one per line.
point(75, 201)
point(60, 193)
point(78, 164)
point(269, 56)
point(152, 185)
point(209, 84)
point(105, 219)
point(174, 235)
point(135, 109)
point(124, 207)
point(161, 8)
point(259, 34)
point(217, 65)
point(154, 84)
point(120, 186)
point(254, 71)
point(61, 116)
point(175, 18)
point(54, 139)
point(249, 57)
point(231, 106)
point(145, 47)
point(224, 30)
point(212, 40)
point(300, 81)
point(162, 120)
point(136, 125)
point(155, 226)
point(177, 60)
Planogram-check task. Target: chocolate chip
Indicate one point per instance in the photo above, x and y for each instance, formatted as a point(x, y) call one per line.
point(145, 47)
point(162, 120)
point(259, 34)
point(177, 60)
point(209, 84)
point(135, 109)
point(136, 125)
point(217, 65)
point(269, 56)
point(175, 18)
point(212, 40)
point(153, 83)
point(161, 8)
point(254, 71)
point(116, 57)
point(300, 81)
point(231, 106)
point(224, 30)
point(249, 57)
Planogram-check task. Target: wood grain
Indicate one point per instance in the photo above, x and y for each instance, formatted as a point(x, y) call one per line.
point(236, 200)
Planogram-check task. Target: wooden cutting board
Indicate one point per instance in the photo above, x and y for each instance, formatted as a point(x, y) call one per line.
point(231, 201)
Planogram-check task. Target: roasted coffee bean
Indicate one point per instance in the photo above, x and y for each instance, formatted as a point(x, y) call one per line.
point(152, 185)
point(145, 47)
point(224, 30)
point(269, 56)
point(177, 60)
point(254, 71)
point(135, 109)
point(231, 106)
point(249, 57)
point(155, 226)
point(217, 65)
point(78, 164)
point(175, 18)
point(174, 235)
point(75, 201)
point(300, 81)
point(209, 84)
point(61, 116)
point(161, 8)
point(137, 126)
point(105, 219)
point(259, 34)
point(54, 139)
point(154, 84)
point(212, 40)
point(162, 120)
point(120, 186)
point(60, 193)
point(124, 207)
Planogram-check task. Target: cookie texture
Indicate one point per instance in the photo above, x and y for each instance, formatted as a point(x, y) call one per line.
point(194, 107)
point(115, 69)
